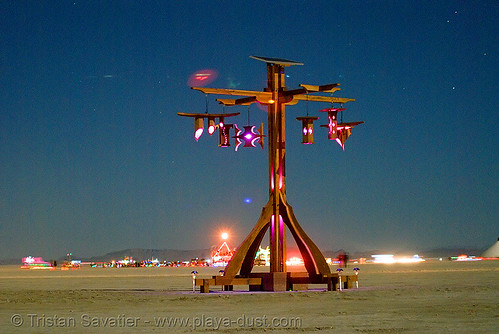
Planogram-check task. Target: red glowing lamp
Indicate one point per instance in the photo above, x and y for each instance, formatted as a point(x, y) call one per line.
point(343, 131)
point(332, 115)
point(224, 134)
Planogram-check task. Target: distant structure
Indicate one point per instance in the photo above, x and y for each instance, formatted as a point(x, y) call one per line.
point(31, 262)
point(493, 251)
point(262, 257)
point(221, 256)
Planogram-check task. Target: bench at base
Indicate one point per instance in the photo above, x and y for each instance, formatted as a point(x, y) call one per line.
point(227, 282)
point(277, 281)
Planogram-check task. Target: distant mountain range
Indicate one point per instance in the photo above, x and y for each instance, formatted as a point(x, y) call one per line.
point(140, 254)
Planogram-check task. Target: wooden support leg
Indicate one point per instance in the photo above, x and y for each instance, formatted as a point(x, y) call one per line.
point(333, 284)
point(315, 263)
point(243, 259)
point(205, 287)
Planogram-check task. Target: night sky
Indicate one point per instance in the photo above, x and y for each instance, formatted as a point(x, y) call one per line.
point(93, 157)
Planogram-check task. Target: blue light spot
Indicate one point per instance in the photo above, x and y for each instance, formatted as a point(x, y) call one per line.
point(247, 200)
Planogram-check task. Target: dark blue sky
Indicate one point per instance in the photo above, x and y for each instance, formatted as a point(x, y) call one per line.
point(94, 158)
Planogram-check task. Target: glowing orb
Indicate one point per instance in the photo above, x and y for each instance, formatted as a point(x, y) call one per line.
point(202, 78)
point(225, 236)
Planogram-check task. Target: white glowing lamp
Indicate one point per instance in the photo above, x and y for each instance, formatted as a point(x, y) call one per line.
point(198, 127)
point(211, 126)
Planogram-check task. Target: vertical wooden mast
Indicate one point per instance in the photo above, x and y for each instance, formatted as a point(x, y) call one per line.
point(277, 171)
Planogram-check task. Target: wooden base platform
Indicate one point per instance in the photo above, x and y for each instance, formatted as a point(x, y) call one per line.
point(290, 281)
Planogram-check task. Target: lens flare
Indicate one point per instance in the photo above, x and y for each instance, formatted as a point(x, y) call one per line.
point(202, 78)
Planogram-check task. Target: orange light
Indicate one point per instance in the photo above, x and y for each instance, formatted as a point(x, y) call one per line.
point(225, 235)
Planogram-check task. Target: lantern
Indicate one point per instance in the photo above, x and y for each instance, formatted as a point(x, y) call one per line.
point(307, 129)
point(198, 127)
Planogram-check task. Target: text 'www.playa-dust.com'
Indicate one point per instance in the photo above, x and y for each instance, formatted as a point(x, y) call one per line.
point(202, 321)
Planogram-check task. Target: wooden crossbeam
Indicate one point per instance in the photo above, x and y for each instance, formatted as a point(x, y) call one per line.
point(236, 92)
point(242, 101)
point(316, 98)
point(204, 115)
point(266, 97)
point(329, 88)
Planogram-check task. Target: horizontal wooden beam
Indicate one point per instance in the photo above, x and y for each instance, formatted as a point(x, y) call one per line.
point(204, 115)
point(316, 98)
point(339, 125)
point(265, 97)
point(330, 88)
point(242, 101)
point(236, 92)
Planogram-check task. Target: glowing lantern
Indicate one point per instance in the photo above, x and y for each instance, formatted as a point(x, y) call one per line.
point(249, 136)
point(339, 132)
point(211, 125)
point(198, 127)
point(344, 131)
point(307, 129)
point(223, 134)
point(332, 115)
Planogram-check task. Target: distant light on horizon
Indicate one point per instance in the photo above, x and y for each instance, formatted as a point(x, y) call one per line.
point(389, 258)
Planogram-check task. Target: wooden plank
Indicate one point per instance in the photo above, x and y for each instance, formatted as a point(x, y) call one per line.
point(297, 286)
point(236, 92)
point(201, 281)
point(330, 88)
point(221, 280)
point(350, 281)
point(205, 115)
point(316, 98)
point(279, 61)
point(233, 102)
point(297, 274)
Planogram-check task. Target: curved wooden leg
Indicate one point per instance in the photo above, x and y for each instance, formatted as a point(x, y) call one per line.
point(314, 261)
point(243, 259)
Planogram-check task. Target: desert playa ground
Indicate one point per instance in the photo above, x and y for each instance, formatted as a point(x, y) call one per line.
point(434, 297)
